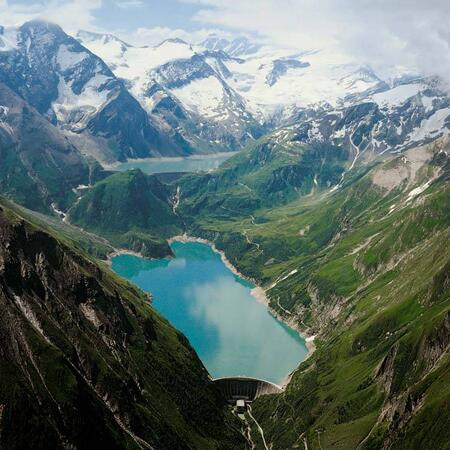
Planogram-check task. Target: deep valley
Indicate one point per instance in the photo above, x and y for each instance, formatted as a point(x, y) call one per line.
point(318, 194)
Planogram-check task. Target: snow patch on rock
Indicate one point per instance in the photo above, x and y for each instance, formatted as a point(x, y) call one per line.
point(418, 190)
point(66, 58)
point(431, 127)
point(87, 103)
point(397, 96)
point(204, 96)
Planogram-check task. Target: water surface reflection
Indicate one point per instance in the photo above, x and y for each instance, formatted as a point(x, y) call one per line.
point(232, 333)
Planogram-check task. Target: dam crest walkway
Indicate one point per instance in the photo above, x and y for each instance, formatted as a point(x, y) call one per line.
point(245, 388)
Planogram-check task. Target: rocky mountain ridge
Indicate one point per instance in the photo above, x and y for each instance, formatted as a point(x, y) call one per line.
point(118, 101)
point(255, 89)
point(76, 91)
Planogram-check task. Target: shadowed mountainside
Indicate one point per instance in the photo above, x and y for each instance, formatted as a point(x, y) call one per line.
point(85, 362)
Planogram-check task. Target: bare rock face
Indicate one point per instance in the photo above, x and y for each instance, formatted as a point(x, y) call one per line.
point(86, 363)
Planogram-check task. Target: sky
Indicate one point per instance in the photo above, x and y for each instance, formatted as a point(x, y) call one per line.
point(410, 33)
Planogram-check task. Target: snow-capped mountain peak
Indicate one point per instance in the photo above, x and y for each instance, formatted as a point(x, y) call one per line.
point(237, 47)
point(228, 86)
point(217, 96)
point(77, 91)
point(172, 41)
point(105, 38)
point(175, 76)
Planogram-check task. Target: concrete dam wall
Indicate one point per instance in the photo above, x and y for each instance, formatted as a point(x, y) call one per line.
point(248, 389)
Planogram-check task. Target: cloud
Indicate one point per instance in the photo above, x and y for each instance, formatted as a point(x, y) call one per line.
point(130, 4)
point(73, 15)
point(70, 14)
point(382, 33)
point(413, 33)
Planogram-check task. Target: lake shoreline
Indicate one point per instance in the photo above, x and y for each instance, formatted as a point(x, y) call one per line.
point(116, 165)
point(258, 292)
point(123, 251)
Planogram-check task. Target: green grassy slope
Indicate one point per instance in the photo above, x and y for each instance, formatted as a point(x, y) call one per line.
point(85, 362)
point(266, 173)
point(367, 269)
point(131, 210)
point(380, 376)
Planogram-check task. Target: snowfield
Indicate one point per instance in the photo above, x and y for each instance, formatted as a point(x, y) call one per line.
point(431, 127)
point(266, 83)
point(398, 95)
point(203, 97)
point(328, 78)
point(134, 64)
point(67, 58)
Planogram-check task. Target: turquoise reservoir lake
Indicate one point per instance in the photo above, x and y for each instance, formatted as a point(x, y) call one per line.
point(197, 163)
point(232, 333)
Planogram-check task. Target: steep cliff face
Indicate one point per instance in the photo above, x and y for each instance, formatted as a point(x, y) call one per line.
point(86, 363)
